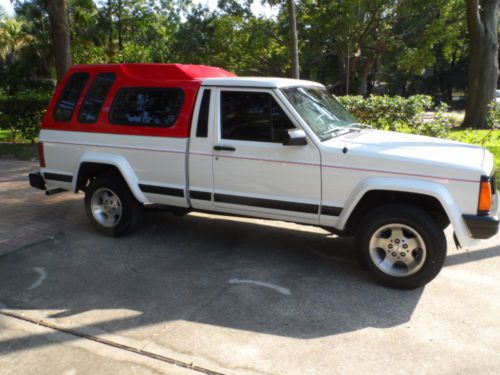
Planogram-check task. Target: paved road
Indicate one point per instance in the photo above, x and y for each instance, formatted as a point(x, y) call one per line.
point(229, 295)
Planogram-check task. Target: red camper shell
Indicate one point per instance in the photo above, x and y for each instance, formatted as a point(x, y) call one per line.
point(84, 100)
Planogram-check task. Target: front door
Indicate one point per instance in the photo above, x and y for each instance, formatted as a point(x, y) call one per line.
point(254, 172)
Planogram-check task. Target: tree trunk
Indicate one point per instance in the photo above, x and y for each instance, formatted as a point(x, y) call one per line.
point(111, 43)
point(367, 68)
point(294, 39)
point(60, 34)
point(120, 26)
point(483, 62)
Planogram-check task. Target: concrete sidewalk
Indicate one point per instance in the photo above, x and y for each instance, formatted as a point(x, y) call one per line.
point(230, 295)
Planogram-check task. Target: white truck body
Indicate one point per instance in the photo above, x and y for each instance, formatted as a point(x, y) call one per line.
point(318, 174)
point(320, 182)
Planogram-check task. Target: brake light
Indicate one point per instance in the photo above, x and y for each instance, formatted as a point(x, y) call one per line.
point(485, 197)
point(41, 155)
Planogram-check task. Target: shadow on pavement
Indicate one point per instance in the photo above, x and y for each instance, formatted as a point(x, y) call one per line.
point(472, 256)
point(180, 269)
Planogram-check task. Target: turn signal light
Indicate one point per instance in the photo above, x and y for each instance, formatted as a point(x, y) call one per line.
point(485, 197)
point(41, 155)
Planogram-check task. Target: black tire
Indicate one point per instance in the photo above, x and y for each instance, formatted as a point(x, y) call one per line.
point(419, 221)
point(132, 209)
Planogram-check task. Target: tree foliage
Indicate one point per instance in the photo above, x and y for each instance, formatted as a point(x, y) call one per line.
point(394, 47)
point(400, 114)
point(22, 114)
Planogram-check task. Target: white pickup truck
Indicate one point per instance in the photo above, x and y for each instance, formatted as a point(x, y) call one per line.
point(199, 138)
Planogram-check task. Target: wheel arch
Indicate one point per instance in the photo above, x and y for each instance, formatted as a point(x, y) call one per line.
point(431, 196)
point(92, 164)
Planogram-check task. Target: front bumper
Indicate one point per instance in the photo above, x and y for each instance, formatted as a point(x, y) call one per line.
point(37, 181)
point(483, 227)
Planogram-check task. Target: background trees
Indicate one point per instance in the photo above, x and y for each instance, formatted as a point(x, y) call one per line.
point(483, 60)
point(60, 35)
point(396, 47)
point(294, 38)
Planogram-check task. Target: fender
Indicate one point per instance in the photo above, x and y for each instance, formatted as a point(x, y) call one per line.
point(118, 162)
point(432, 189)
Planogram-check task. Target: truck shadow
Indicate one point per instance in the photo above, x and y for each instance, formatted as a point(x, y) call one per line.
point(466, 257)
point(212, 270)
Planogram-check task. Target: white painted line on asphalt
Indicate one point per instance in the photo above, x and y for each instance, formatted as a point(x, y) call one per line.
point(41, 277)
point(277, 288)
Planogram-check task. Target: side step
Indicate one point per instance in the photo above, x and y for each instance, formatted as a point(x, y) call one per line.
point(55, 191)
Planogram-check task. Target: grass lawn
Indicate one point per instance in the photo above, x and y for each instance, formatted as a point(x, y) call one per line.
point(5, 135)
point(23, 150)
point(19, 151)
point(487, 138)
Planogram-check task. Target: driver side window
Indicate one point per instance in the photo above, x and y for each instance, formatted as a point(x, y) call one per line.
point(252, 116)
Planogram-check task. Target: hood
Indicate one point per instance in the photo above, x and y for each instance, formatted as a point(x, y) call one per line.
point(427, 150)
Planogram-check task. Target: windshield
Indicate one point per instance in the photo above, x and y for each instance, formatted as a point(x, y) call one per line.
point(320, 110)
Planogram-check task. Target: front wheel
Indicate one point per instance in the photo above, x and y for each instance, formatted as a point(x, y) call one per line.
point(402, 245)
point(112, 207)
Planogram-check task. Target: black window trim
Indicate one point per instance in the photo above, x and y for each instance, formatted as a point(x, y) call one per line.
point(248, 89)
point(87, 74)
point(87, 94)
point(149, 88)
point(199, 134)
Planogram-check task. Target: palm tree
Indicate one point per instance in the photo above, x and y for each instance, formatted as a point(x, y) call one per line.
point(13, 38)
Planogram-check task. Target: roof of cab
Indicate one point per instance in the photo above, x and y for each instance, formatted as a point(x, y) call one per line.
point(257, 82)
point(176, 72)
point(208, 75)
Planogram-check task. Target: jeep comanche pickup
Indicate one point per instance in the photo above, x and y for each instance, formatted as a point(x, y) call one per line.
point(199, 138)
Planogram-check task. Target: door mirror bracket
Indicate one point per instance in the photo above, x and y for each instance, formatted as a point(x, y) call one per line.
point(295, 137)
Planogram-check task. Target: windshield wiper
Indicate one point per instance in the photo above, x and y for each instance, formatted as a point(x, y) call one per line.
point(348, 128)
point(334, 130)
point(358, 125)
point(340, 130)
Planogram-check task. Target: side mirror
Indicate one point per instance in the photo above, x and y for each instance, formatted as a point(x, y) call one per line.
point(295, 137)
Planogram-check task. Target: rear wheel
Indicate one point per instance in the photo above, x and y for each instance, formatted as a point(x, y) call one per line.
point(111, 206)
point(402, 245)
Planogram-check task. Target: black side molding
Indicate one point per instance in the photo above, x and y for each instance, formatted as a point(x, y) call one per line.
point(482, 227)
point(161, 190)
point(200, 195)
point(36, 180)
point(58, 177)
point(331, 211)
point(267, 203)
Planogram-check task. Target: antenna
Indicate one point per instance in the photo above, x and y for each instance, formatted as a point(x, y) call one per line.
point(344, 150)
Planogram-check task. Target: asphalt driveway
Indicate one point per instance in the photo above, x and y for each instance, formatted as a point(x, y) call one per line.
point(215, 294)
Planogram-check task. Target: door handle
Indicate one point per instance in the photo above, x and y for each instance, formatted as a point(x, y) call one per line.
point(224, 148)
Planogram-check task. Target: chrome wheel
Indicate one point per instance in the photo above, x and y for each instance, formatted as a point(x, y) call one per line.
point(106, 207)
point(397, 250)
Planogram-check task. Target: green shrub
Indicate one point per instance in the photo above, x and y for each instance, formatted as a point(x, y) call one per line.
point(417, 114)
point(494, 115)
point(22, 114)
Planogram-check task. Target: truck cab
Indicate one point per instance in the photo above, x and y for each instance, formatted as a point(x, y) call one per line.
point(199, 138)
